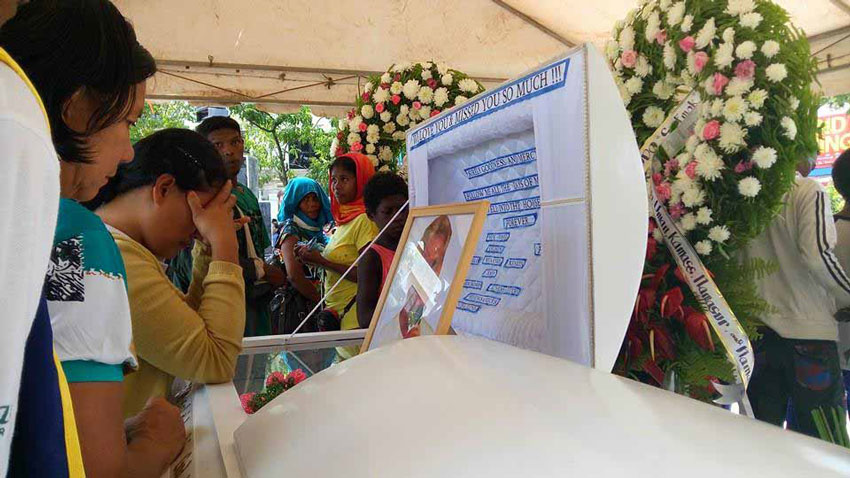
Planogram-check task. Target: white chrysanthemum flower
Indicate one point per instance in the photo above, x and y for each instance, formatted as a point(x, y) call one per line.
point(719, 234)
point(386, 116)
point(460, 99)
point(381, 95)
point(403, 110)
point(735, 108)
point(688, 222)
point(724, 55)
point(441, 97)
point(642, 68)
point(447, 79)
point(612, 49)
point(764, 157)
point(385, 154)
point(664, 5)
point(795, 103)
point(374, 160)
point(732, 137)
point(627, 38)
point(396, 87)
point(687, 23)
point(411, 89)
point(630, 17)
point(367, 88)
point(699, 127)
point(402, 67)
point(468, 85)
point(657, 235)
point(691, 144)
point(354, 123)
point(717, 107)
point(676, 13)
point(662, 90)
point(703, 247)
point(682, 183)
point(749, 187)
point(790, 127)
point(684, 159)
point(653, 26)
point(649, 10)
point(669, 56)
point(740, 7)
point(398, 135)
point(709, 164)
point(413, 114)
point(386, 78)
point(752, 119)
point(389, 127)
point(729, 35)
point(425, 95)
point(426, 75)
point(352, 138)
point(757, 98)
point(373, 130)
point(738, 86)
point(776, 72)
point(442, 68)
point(367, 111)
point(634, 85)
point(751, 20)
point(624, 92)
point(653, 116)
point(688, 80)
point(403, 120)
point(706, 34)
point(425, 112)
point(704, 216)
point(746, 50)
point(693, 197)
point(770, 48)
point(370, 148)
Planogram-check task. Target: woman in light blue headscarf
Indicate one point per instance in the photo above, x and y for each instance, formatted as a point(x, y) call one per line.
point(305, 212)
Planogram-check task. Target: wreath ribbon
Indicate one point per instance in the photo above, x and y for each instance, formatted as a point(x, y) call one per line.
point(720, 315)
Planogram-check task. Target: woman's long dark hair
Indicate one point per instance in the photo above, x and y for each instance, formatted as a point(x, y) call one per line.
point(65, 46)
point(193, 161)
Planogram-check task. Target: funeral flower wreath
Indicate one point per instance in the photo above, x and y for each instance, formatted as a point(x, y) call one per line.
point(724, 182)
point(397, 100)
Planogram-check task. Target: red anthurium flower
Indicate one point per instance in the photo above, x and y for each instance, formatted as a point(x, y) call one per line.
point(645, 301)
point(697, 327)
point(635, 345)
point(671, 302)
point(659, 275)
point(365, 96)
point(654, 371)
point(661, 343)
point(651, 249)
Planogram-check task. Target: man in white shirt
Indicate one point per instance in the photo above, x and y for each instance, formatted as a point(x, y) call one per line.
point(797, 358)
point(28, 207)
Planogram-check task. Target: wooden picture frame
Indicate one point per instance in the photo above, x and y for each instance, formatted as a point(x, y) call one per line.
point(478, 210)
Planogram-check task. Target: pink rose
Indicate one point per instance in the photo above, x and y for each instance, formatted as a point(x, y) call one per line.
point(746, 70)
point(417, 105)
point(700, 60)
point(363, 127)
point(664, 191)
point(657, 178)
point(687, 43)
point(380, 107)
point(691, 169)
point(396, 99)
point(432, 83)
point(743, 166)
point(720, 82)
point(677, 210)
point(661, 37)
point(711, 130)
point(356, 146)
point(435, 113)
point(629, 58)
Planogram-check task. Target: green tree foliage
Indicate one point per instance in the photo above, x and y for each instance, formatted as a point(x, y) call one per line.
point(270, 137)
point(157, 116)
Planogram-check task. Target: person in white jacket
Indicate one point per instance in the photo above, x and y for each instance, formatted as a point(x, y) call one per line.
point(841, 181)
point(796, 360)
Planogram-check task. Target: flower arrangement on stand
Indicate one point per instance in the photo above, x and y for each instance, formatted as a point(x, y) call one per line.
point(276, 383)
point(395, 101)
point(726, 180)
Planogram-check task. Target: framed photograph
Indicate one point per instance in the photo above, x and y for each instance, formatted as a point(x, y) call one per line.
point(426, 278)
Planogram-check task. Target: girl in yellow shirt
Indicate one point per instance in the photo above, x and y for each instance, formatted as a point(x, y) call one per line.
point(349, 174)
point(174, 191)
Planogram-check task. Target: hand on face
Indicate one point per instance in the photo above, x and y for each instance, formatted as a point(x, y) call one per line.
point(214, 220)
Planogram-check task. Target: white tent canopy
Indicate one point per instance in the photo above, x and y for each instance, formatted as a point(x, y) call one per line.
point(285, 53)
